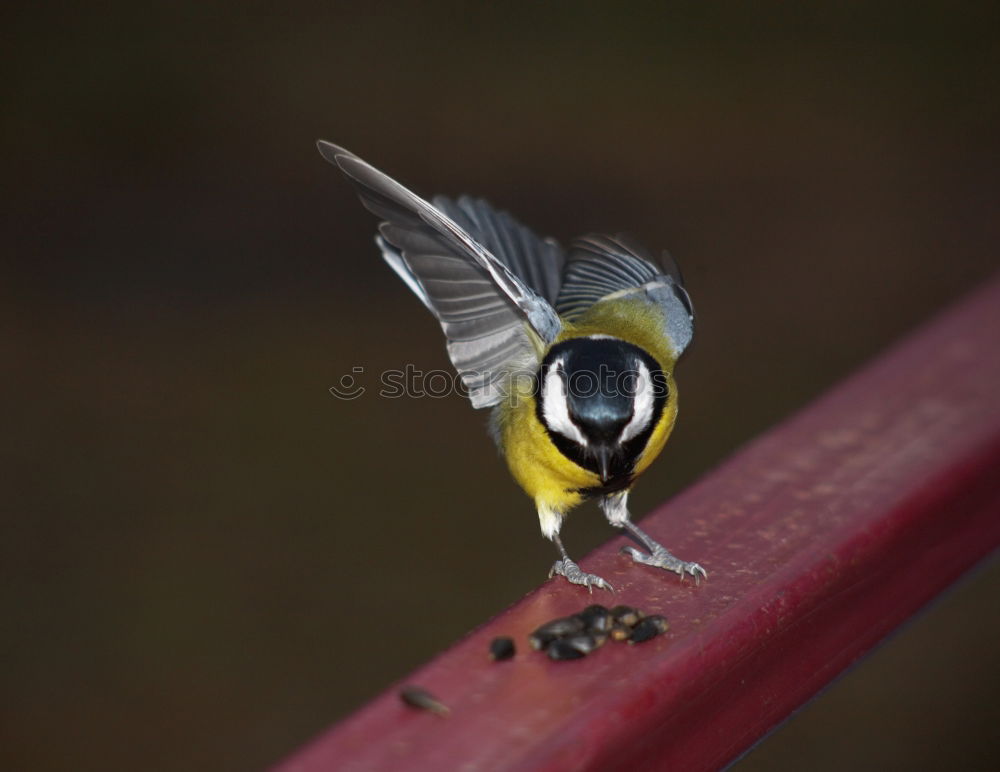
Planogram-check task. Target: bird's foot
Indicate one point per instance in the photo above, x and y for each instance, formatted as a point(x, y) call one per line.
point(661, 558)
point(575, 575)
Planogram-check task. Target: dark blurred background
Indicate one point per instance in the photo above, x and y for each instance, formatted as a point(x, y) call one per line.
point(205, 557)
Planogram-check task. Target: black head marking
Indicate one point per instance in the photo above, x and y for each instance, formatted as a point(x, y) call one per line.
point(600, 388)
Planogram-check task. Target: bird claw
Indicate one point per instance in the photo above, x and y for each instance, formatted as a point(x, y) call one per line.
point(573, 574)
point(660, 558)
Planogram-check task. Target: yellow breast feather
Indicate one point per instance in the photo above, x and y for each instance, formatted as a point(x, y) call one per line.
point(544, 473)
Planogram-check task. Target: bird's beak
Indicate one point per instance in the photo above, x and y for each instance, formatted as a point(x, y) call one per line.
point(604, 462)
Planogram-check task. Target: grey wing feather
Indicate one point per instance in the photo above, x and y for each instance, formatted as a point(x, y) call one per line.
point(395, 260)
point(537, 262)
point(598, 266)
point(485, 310)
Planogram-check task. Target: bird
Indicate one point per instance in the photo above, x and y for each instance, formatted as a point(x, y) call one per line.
point(573, 350)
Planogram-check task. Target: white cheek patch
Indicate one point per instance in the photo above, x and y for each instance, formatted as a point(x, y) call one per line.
point(642, 404)
point(555, 408)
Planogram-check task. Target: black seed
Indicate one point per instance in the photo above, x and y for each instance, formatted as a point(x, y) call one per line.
point(417, 697)
point(563, 648)
point(648, 628)
point(626, 615)
point(557, 628)
point(501, 648)
point(596, 618)
point(585, 642)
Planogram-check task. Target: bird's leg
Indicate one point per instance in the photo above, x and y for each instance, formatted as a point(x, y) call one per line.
point(573, 572)
point(659, 555)
point(551, 521)
point(616, 510)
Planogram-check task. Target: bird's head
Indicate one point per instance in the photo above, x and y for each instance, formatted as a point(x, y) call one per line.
point(599, 398)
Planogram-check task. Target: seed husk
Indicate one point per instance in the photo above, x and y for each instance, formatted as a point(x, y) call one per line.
point(596, 618)
point(649, 628)
point(418, 697)
point(619, 633)
point(563, 648)
point(557, 628)
point(626, 615)
point(502, 648)
point(585, 642)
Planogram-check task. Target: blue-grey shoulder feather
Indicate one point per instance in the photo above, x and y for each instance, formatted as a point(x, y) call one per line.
point(598, 266)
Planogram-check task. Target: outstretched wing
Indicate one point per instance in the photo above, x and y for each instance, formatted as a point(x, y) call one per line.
point(495, 324)
point(598, 266)
point(537, 262)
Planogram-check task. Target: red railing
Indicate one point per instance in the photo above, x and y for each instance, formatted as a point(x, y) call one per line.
point(820, 537)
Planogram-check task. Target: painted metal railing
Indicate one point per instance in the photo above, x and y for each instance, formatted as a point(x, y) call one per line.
point(820, 537)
